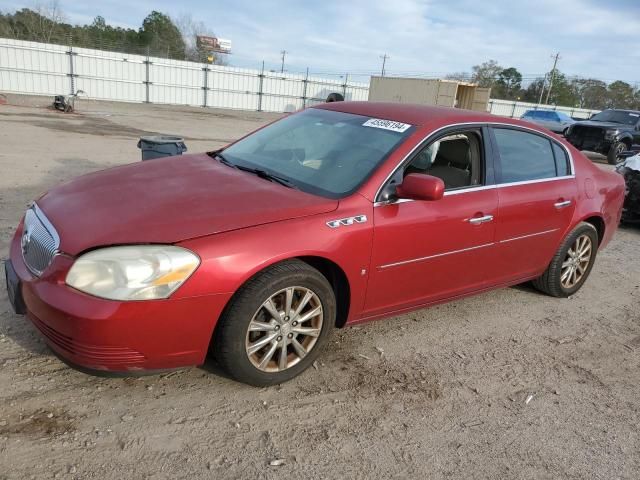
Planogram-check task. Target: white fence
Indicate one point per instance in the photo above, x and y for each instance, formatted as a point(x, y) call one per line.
point(507, 108)
point(46, 69)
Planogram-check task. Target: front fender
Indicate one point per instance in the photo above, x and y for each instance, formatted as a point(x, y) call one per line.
point(229, 259)
point(625, 137)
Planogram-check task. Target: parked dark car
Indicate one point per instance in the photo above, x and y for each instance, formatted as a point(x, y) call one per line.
point(630, 170)
point(609, 132)
point(557, 122)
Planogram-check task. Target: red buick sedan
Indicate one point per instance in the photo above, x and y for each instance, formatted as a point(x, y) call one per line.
point(336, 215)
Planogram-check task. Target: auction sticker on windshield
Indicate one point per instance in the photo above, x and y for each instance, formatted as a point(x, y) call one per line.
point(387, 125)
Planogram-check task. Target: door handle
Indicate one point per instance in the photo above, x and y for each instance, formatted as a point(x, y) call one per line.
point(562, 204)
point(479, 220)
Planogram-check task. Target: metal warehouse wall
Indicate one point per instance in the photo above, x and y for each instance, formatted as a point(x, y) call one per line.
point(46, 69)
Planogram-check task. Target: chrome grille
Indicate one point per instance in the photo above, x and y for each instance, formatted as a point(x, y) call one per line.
point(39, 241)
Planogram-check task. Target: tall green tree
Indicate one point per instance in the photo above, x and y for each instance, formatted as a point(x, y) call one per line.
point(486, 74)
point(161, 35)
point(562, 92)
point(532, 93)
point(621, 95)
point(508, 84)
point(590, 93)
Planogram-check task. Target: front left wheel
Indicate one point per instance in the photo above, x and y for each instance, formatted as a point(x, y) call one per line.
point(276, 325)
point(616, 149)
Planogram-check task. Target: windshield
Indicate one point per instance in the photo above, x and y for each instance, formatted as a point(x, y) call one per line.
point(617, 116)
point(320, 151)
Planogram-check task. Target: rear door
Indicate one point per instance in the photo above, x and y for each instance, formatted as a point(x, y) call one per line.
point(536, 201)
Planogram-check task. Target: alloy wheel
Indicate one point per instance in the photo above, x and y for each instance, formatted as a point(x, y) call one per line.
point(284, 329)
point(576, 263)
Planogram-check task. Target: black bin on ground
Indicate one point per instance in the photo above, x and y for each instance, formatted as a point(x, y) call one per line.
point(158, 146)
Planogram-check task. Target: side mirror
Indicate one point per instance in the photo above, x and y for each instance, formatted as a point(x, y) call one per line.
point(418, 186)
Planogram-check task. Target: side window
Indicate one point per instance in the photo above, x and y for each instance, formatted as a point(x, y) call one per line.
point(524, 156)
point(562, 160)
point(455, 158)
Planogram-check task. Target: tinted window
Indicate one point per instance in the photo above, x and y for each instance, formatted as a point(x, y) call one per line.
point(524, 156)
point(562, 160)
point(617, 116)
point(456, 159)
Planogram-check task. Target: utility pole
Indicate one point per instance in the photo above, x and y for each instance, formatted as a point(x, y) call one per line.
point(555, 57)
point(384, 58)
point(544, 82)
point(283, 53)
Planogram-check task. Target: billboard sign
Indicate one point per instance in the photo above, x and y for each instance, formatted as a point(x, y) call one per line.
point(214, 44)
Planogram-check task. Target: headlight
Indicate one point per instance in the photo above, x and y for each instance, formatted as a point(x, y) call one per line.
point(137, 272)
point(610, 134)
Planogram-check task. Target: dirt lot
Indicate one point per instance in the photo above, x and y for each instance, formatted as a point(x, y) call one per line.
point(509, 384)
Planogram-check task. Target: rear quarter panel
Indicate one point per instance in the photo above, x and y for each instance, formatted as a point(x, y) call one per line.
point(600, 194)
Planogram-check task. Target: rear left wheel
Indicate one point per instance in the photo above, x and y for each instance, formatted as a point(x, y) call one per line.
point(276, 324)
point(572, 263)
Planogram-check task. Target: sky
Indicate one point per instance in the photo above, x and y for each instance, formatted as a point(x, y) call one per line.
point(430, 37)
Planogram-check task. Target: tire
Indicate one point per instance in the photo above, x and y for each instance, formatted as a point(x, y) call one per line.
point(233, 340)
point(335, 97)
point(616, 149)
point(551, 281)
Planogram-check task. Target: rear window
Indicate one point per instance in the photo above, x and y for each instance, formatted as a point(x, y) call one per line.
point(562, 160)
point(524, 156)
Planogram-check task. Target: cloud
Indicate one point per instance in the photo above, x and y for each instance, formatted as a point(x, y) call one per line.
point(421, 36)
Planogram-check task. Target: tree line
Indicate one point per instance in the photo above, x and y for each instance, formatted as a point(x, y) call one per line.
point(161, 36)
point(158, 36)
point(592, 93)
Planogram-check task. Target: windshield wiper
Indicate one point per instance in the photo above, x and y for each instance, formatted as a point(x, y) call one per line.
point(267, 176)
point(218, 154)
point(256, 171)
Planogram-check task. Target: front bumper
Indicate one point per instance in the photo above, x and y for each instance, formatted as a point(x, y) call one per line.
point(115, 336)
point(598, 146)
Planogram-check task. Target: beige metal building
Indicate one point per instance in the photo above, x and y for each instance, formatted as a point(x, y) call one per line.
point(422, 91)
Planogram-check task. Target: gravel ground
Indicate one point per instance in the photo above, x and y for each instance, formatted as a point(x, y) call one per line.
point(508, 384)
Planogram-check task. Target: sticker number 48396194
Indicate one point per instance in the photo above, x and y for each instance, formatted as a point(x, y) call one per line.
point(387, 125)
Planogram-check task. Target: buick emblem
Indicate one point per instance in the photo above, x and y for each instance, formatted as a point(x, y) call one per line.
point(26, 239)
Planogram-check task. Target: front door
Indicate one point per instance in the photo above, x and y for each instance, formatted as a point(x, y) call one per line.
point(425, 251)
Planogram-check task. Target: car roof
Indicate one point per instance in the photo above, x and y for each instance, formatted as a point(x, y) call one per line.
point(418, 115)
point(622, 110)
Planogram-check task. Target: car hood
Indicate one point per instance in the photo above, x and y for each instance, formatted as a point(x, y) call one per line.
point(604, 125)
point(168, 200)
